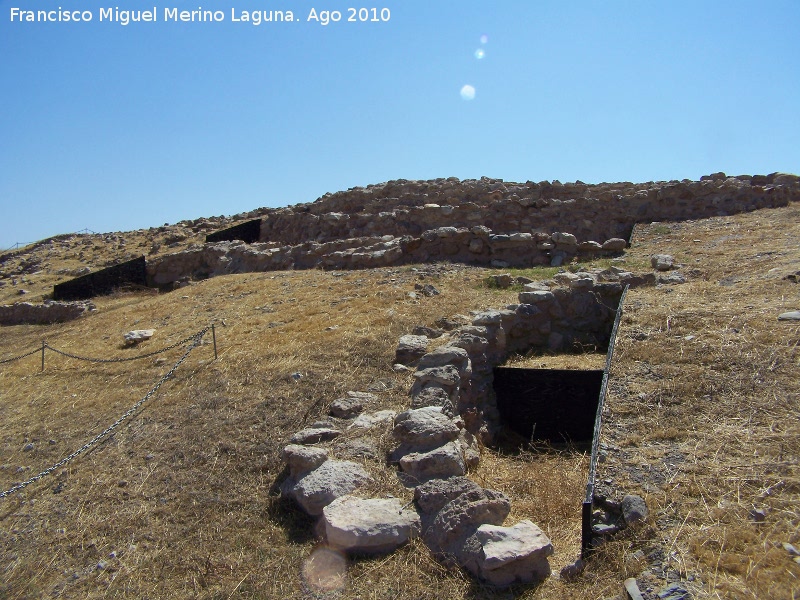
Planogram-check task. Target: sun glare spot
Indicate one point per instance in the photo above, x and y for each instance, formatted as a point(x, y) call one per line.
point(479, 53)
point(325, 570)
point(484, 39)
point(468, 92)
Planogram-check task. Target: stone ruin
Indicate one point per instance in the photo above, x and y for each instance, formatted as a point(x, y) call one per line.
point(437, 440)
point(485, 222)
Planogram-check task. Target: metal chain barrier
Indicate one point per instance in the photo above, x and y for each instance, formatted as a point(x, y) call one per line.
point(197, 339)
point(119, 360)
point(31, 353)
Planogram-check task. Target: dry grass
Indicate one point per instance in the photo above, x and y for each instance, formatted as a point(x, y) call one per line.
point(704, 403)
point(180, 501)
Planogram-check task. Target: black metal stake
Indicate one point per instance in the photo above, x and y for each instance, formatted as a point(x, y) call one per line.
point(43, 345)
point(214, 336)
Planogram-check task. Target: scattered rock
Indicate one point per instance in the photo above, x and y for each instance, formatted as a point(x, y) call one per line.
point(502, 281)
point(138, 335)
point(674, 592)
point(368, 526)
point(615, 245)
point(426, 290)
point(791, 549)
point(314, 435)
point(672, 279)
point(634, 509)
point(573, 570)
point(662, 262)
point(758, 515)
point(790, 316)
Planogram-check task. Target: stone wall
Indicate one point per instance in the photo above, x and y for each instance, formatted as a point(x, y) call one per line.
point(476, 246)
point(25, 313)
point(590, 212)
point(574, 310)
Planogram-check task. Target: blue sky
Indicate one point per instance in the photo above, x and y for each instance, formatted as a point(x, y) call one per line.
point(110, 128)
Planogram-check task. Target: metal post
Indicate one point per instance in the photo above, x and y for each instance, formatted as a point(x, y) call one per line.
point(214, 336)
point(43, 345)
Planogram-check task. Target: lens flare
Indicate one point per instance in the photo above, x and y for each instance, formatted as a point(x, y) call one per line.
point(484, 39)
point(479, 53)
point(468, 92)
point(325, 570)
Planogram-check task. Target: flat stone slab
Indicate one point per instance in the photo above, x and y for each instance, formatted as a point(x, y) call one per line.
point(439, 463)
point(790, 316)
point(370, 420)
point(515, 554)
point(347, 407)
point(329, 481)
point(373, 526)
point(424, 428)
point(314, 435)
point(138, 335)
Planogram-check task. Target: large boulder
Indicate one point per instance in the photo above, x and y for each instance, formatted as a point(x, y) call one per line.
point(368, 526)
point(515, 554)
point(321, 486)
point(448, 533)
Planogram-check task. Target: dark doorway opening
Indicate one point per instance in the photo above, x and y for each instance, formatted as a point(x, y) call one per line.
point(556, 406)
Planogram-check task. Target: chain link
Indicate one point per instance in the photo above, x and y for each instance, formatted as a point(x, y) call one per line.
point(197, 337)
point(31, 353)
point(119, 360)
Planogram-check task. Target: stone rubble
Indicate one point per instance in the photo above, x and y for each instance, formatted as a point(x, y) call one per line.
point(437, 440)
point(26, 313)
point(369, 525)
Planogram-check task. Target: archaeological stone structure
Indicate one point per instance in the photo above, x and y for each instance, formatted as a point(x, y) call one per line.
point(486, 222)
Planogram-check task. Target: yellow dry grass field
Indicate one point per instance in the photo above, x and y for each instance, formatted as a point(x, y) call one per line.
point(179, 501)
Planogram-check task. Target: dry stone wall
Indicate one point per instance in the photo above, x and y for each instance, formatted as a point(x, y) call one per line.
point(486, 222)
point(590, 212)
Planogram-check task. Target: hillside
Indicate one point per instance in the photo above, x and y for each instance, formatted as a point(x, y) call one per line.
point(180, 501)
